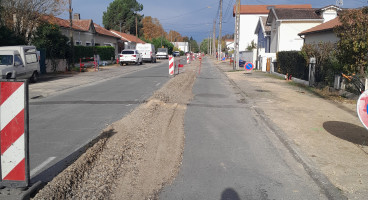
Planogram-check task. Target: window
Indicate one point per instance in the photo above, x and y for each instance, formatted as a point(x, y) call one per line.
point(88, 44)
point(78, 43)
point(31, 58)
point(17, 60)
point(127, 52)
point(6, 60)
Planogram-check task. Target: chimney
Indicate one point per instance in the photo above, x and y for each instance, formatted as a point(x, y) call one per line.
point(76, 16)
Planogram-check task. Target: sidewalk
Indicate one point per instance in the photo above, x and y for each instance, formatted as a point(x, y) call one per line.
point(327, 133)
point(51, 84)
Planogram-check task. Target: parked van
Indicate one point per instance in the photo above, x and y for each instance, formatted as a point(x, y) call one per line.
point(162, 53)
point(19, 62)
point(148, 52)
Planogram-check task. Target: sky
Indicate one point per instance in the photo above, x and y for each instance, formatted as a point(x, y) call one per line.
point(192, 18)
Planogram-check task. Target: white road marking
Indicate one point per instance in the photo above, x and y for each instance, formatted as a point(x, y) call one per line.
point(42, 165)
point(158, 84)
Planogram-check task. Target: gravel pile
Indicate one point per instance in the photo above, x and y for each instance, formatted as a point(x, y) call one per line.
point(141, 153)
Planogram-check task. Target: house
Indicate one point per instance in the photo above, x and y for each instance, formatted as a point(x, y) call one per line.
point(127, 41)
point(182, 46)
point(287, 23)
point(249, 18)
point(263, 33)
point(85, 32)
point(321, 33)
point(229, 44)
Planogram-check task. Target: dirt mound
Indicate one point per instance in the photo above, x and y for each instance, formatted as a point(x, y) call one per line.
point(139, 155)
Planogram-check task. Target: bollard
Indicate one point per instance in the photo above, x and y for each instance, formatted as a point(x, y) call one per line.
point(171, 66)
point(14, 134)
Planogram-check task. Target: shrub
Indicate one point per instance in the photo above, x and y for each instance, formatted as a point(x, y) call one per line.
point(292, 63)
point(105, 52)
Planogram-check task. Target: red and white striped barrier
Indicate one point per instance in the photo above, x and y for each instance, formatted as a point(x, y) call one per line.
point(14, 133)
point(171, 65)
point(187, 58)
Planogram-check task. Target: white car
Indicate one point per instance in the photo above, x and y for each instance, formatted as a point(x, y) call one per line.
point(130, 56)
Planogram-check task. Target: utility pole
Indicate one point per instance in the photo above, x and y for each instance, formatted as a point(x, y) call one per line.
point(220, 29)
point(136, 26)
point(210, 42)
point(208, 45)
point(236, 36)
point(214, 39)
point(71, 33)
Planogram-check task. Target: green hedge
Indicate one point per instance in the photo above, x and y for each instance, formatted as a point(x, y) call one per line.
point(105, 52)
point(292, 63)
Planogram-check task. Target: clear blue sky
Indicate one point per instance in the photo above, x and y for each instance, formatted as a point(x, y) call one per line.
point(192, 17)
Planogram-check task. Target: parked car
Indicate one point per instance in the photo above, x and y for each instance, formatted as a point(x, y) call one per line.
point(19, 62)
point(176, 53)
point(148, 52)
point(162, 53)
point(130, 56)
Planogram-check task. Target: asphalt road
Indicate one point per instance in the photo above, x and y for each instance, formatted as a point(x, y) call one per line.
point(230, 153)
point(62, 124)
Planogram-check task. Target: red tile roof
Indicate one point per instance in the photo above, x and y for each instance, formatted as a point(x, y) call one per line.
point(323, 27)
point(264, 9)
point(102, 31)
point(128, 37)
point(84, 24)
point(80, 25)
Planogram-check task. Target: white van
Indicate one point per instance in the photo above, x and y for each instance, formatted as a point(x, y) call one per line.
point(148, 52)
point(19, 62)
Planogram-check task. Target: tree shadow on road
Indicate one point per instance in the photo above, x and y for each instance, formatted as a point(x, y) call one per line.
point(347, 131)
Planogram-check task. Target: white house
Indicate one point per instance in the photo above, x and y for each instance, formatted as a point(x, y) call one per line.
point(249, 17)
point(182, 46)
point(329, 12)
point(287, 23)
point(321, 33)
point(229, 44)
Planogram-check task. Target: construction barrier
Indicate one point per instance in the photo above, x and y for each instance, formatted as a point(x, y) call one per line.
point(187, 58)
point(14, 136)
point(171, 65)
point(90, 61)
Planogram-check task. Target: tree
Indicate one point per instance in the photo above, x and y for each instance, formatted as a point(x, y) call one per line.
point(193, 45)
point(123, 12)
point(174, 36)
point(165, 43)
point(204, 46)
point(49, 37)
point(353, 43)
point(24, 16)
point(152, 28)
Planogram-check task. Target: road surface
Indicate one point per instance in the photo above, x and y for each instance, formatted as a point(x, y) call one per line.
point(230, 153)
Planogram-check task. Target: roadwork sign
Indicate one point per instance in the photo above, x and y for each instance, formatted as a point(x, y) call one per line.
point(14, 133)
point(362, 108)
